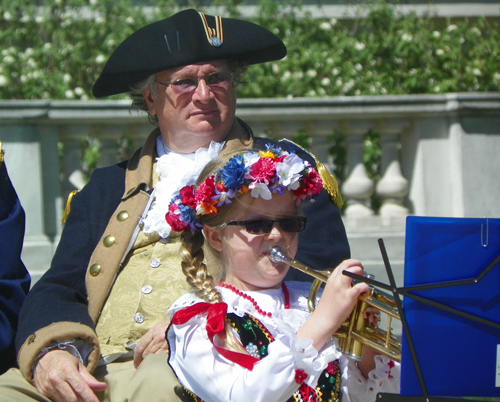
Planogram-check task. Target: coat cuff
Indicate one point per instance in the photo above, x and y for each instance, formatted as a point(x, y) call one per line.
point(52, 333)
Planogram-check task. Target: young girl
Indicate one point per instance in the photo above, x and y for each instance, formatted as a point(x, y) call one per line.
point(246, 335)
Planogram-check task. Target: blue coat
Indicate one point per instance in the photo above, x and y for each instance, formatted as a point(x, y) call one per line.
point(14, 279)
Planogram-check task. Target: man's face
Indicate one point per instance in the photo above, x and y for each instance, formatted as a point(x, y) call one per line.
point(192, 119)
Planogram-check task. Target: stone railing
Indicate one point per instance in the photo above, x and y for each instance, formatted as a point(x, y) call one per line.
point(440, 155)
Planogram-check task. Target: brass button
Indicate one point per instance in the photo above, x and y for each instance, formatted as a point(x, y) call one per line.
point(122, 216)
point(95, 269)
point(109, 241)
point(31, 338)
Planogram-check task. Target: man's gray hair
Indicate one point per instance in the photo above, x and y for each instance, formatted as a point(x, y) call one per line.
point(139, 103)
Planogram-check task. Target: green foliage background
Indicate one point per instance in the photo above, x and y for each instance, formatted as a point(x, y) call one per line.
point(55, 49)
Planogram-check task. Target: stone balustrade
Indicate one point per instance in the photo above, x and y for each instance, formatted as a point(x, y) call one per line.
point(440, 156)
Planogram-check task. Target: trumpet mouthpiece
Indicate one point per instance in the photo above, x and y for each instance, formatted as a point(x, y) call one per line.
point(276, 255)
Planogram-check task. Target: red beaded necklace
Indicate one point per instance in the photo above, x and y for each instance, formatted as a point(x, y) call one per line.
point(252, 300)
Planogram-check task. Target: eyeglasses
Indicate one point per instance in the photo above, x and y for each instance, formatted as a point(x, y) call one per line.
point(262, 226)
point(218, 80)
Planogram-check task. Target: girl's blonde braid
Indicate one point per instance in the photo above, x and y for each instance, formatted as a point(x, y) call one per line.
point(195, 269)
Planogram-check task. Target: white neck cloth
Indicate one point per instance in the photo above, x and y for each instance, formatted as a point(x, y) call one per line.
point(176, 171)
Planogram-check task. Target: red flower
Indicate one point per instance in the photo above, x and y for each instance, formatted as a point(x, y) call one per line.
point(173, 219)
point(187, 196)
point(300, 376)
point(333, 367)
point(205, 191)
point(263, 170)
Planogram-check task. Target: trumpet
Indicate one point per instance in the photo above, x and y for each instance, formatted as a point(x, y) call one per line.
point(355, 332)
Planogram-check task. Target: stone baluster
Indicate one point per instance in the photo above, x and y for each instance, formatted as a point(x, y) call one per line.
point(392, 187)
point(358, 188)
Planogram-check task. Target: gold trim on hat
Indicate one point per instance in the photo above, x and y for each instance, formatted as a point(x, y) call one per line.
point(214, 36)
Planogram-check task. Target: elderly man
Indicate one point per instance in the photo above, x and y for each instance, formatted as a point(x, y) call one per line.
point(101, 307)
point(14, 279)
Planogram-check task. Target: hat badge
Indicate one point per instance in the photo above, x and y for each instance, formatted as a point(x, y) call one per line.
point(214, 36)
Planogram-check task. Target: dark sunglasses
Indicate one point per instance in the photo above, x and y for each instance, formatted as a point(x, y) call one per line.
point(262, 226)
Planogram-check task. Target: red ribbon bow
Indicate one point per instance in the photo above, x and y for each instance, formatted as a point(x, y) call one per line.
point(216, 319)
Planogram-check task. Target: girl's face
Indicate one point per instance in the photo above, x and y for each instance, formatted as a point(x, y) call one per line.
point(245, 255)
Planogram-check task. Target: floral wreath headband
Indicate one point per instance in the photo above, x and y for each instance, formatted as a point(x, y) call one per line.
point(262, 173)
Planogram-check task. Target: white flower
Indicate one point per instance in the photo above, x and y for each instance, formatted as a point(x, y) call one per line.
point(47, 46)
point(322, 91)
point(383, 91)
point(439, 52)
point(3, 80)
point(496, 76)
point(287, 74)
point(8, 59)
point(66, 78)
point(358, 66)
point(289, 170)
point(275, 68)
point(329, 60)
point(476, 30)
point(311, 93)
point(451, 27)
point(23, 78)
point(39, 19)
point(298, 75)
point(333, 22)
point(359, 45)
point(437, 88)
point(276, 31)
point(338, 82)
point(373, 89)
point(69, 94)
point(412, 72)
point(335, 71)
point(406, 37)
point(7, 16)
point(436, 34)
point(260, 189)
point(100, 59)
point(325, 26)
point(93, 2)
point(312, 73)
point(129, 20)
point(325, 81)
point(477, 72)
point(78, 91)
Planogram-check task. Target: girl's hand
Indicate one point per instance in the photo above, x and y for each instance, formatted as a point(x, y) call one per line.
point(337, 302)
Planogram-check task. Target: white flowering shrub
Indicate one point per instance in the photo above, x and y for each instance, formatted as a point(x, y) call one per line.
point(57, 50)
point(384, 53)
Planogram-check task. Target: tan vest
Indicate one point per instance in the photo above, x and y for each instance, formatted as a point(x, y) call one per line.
point(127, 298)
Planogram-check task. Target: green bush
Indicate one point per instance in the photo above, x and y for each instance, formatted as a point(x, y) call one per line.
point(57, 51)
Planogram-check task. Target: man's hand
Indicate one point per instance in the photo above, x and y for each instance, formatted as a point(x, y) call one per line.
point(61, 377)
point(152, 342)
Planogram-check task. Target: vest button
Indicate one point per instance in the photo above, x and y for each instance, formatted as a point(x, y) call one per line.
point(109, 241)
point(155, 263)
point(95, 269)
point(138, 318)
point(146, 289)
point(122, 216)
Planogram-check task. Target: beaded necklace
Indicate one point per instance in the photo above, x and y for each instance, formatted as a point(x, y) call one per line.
point(252, 300)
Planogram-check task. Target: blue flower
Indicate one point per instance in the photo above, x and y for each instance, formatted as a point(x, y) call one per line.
point(233, 173)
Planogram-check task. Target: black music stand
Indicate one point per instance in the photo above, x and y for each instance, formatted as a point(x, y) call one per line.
point(407, 292)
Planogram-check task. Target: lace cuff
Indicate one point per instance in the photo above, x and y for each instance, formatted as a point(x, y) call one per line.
point(305, 356)
point(383, 378)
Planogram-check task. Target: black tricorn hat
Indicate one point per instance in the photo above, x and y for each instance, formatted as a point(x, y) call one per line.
point(187, 37)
